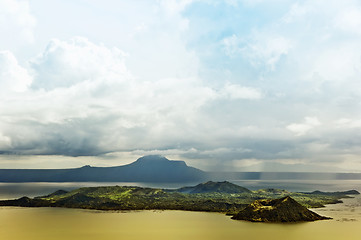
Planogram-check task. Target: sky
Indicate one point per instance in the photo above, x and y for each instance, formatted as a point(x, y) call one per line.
point(234, 85)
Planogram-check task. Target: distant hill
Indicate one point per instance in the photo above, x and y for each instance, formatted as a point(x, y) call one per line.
point(214, 187)
point(284, 209)
point(349, 192)
point(220, 176)
point(152, 168)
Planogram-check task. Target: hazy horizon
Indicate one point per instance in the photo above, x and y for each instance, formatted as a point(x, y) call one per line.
point(234, 85)
point(280, 169)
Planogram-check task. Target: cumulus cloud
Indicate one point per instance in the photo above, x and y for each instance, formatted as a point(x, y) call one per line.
point(66, 63)
point(16, 21)
point(13, 77)
point(211, 86)
point(84, 101)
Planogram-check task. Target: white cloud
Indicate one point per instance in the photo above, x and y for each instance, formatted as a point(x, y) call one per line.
point(349, 20)
point(16, 21)
point(84, 101)
point(234, 91)
point(348, 123)
point(302, 128)
point(338, 64)
point(173, 7)
point(13, 77)
point(180, 96)
point(65, 63)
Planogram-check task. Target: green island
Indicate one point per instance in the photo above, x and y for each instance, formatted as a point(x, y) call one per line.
point(222, 197)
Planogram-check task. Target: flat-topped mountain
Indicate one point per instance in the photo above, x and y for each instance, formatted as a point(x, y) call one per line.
point(155, 168)
point(152, 168)
point(284, 209)
point(214, 187)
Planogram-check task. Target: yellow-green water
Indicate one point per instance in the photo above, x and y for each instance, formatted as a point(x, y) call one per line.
point(56, 223)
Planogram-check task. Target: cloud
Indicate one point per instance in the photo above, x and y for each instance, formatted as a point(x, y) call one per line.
point(64, 64)
point(349, 20)
point(83, 101)
point(267, 50)
point(302, 128)
point(208, 82)
point(175, 6)
point(261, 49)
point(13, 77)
point(235, 91)
point(16, 21)
point(297, 11)
point(348, 123)
point(338, 64)
point(5, 141)
point(231, 45)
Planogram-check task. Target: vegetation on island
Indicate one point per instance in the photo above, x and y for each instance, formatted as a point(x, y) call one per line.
point(224, 197)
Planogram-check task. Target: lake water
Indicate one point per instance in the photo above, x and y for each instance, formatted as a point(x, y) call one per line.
point(56, 223)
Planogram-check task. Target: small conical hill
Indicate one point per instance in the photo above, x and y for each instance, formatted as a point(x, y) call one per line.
point(284, 209)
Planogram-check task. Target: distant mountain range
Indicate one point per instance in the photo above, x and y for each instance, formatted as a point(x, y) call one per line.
point(154, 168)
point(151, 168)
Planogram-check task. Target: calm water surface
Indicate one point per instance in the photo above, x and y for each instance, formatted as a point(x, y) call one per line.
point(56, 223)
